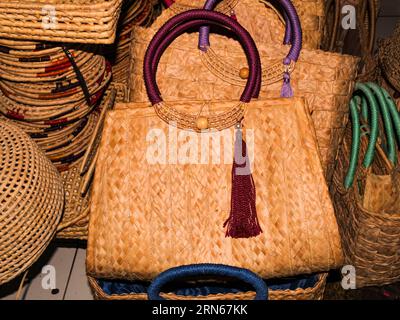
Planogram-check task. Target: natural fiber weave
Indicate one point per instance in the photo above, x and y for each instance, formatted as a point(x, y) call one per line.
point(325, 79)
point(31, 202)
point(146, 218)
point(77, 181)
point(314, 293)
point(140, 12)
point(269, 28)
point(82, 21)
point(389, 56)
point(368, 215)
point(359, 42)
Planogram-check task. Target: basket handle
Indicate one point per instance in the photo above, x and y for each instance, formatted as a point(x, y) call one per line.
point(207, 269)
point(288, 28)
point(371, 97)
point(292, 20)
point(171, 30)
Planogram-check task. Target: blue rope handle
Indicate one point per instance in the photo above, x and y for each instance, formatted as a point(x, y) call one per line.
point(207, 269)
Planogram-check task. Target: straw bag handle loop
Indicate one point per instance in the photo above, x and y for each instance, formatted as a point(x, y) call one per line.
point(294, 33)
point(153, 55)
point(207, 269)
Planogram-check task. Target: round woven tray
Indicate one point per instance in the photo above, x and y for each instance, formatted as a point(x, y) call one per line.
point(31, 201)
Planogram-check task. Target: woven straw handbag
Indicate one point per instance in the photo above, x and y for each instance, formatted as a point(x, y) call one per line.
point(31, 202)
point(324, 79)
point(342, 40)
point(306, 288)
point(80, 21)
point(311, 13)
point(148, 215)
point(365, 188)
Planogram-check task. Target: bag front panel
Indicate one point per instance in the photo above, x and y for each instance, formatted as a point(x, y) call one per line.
point(148, 216)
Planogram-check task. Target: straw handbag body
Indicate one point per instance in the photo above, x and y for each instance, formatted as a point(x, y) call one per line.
point(164, 197)
point(324, 79)
point(365, 189)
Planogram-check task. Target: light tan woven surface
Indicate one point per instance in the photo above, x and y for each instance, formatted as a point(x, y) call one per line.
point(314, 293)
point(369, 219)
point(77, 179)
point(31, 201)
point(146, 218)
point(262, 20)
point(325, 79)
point(81, 21)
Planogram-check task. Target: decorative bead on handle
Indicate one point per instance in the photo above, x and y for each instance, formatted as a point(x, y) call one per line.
point(207, 269)
point(243, 221)
point(213, 18)
point(293, 35)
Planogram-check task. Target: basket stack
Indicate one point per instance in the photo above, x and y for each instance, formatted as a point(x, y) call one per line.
point(134, 12)
point(50, 92)
point(78, 21)
point(54, 94)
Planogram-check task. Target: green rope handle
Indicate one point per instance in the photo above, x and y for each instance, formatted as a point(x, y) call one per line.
point(387, 122)
point(373, 108)
point(394, 113)
point(355, 142)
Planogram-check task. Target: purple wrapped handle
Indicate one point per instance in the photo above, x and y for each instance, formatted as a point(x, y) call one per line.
point(182, 22)
point(293, 29)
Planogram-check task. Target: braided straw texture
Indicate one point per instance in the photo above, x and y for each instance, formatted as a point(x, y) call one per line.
point(81, 21)
point(77, 179)
point(369, 219)
point(147, 216)
point(31, 202)
point(325, 79)
point(264, 23)
point(76, 213)
point(314, 293)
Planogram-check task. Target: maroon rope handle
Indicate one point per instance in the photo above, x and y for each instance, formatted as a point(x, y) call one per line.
point(172, 29)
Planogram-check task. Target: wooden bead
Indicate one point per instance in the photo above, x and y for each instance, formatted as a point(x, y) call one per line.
point(202, 123)
point(244, 73)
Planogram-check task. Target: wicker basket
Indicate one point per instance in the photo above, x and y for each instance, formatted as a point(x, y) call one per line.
point(368, 213)
point(82, 21)
point(389, 56)
point(77, 179)
point(315, 292)
point(325, 79)
point(338, 39)
point(31, 202)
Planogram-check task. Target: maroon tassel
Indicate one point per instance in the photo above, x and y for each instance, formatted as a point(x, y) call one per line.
point(243, 220)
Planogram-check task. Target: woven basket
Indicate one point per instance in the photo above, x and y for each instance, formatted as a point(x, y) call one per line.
point(311, 13)
point(82, 21)
point(31, 202)
point(389, 56)
point(368, 214)
point(77, 179)
point(338, 39)
point(313, 293)
point(325, 79)
point(133, 13)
